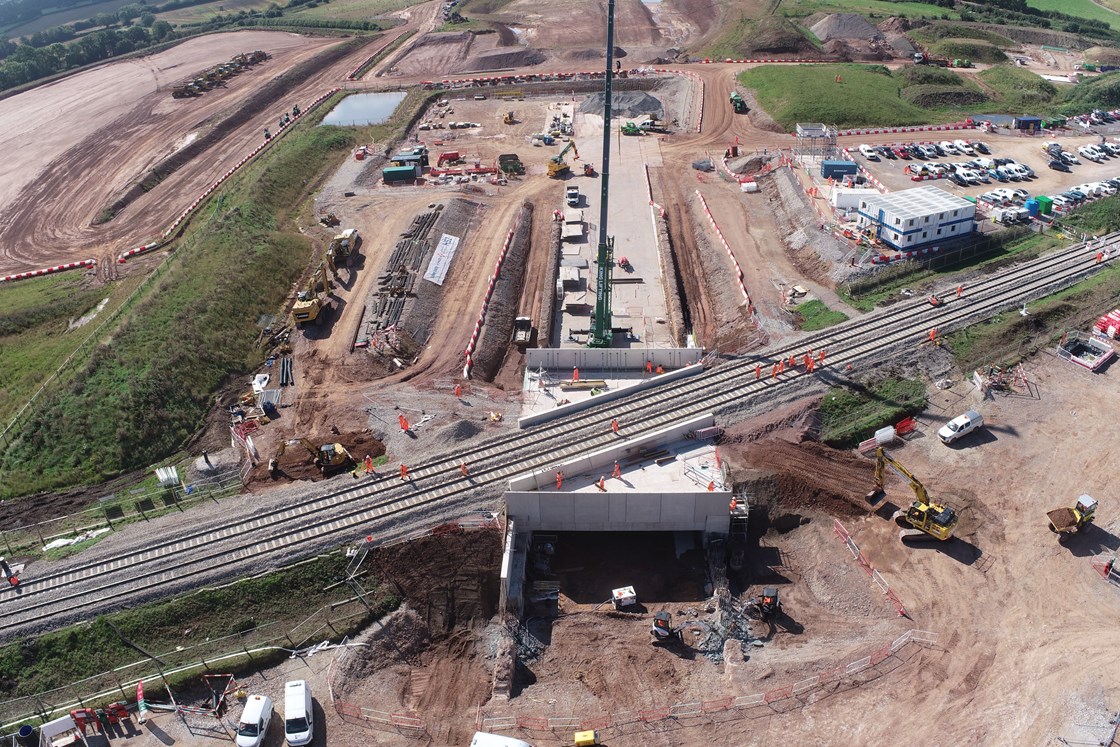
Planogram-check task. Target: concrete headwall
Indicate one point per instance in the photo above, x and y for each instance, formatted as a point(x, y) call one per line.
point(620, 512)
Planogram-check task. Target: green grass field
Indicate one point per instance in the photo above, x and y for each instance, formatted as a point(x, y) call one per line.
point(205, 11)
point(808, 93)
point(879, 8)
point(1020, 90)
point(350, 10)
point(849, 415)
point(1082, 8)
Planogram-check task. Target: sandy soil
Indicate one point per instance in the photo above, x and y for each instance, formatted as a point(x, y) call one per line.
point(47, 203)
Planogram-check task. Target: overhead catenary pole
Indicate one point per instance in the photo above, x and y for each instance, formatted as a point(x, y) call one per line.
point(601, 328)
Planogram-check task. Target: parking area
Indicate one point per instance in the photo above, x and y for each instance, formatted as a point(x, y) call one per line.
point(999, 171)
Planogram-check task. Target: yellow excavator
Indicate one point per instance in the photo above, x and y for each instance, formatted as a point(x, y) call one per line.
point(508, 118)
point(557, 166)
point(310, 304)
point(925, 518)
point(328, 457)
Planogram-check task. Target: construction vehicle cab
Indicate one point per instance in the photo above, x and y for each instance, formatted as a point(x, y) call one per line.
point(557, 166)
point(508, 119)
point(629, 128)
point(926, 518)
point(1065, 522)
point(328, 457)
point(662, 630)
point(738, 103)
point(310, 305)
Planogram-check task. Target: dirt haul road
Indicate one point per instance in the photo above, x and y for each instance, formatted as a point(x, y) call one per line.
point(75, 146)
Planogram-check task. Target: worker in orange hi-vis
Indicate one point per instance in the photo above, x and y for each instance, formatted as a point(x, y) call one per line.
point(758, 372)
point(649, 367)
point(369, 464)
point(614, 425)
point(617, 472)
point(602, 484)
point(659, 370)
point(820, 357)
point(809, 365)
point(404, 472)
point(403, 421)
point(808, 360)
point(960, 290)
point(712, 487)
point(559, 479)
point(781, 366)
point(734, 501)
point(933, 334)
point(458, 391)
point(774, 371)
point(575, 374)
point(463, 469)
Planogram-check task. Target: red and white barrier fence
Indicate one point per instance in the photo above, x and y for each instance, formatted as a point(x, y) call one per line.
point(473, 343)
point(125, 256)
point(48, 270)
point(738, 270)
point(869, 569)
point(885, 259)
point(874, 182)
point(707, 61)
point(915, 128)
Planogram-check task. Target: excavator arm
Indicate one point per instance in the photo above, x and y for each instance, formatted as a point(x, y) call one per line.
point(883, 459)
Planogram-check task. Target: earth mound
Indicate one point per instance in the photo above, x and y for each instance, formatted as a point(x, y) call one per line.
point(844, 26)
point(625, 103)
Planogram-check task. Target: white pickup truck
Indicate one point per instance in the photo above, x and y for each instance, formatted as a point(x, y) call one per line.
point(572, 196)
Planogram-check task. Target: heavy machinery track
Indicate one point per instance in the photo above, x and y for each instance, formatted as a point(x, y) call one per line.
point(328, 515)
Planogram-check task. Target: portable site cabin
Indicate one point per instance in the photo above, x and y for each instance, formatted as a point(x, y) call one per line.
point(1030, 124)
point(60, 732)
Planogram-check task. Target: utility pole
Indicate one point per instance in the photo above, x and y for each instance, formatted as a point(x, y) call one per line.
point(600, 336)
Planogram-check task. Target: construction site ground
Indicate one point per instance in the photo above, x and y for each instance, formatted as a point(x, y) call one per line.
point(1025, 644)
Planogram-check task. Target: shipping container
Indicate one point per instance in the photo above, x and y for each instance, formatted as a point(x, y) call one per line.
point(1045, 205)
point(837, 169)
point(401, 173)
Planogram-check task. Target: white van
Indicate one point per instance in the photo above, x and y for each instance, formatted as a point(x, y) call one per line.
point(868, 152)
point(254, 721)
point(960, 426)
point(299, 718)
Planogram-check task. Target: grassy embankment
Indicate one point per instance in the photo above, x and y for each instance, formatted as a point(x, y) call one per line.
point(139, 400)
point(251, 613)
point(814, 315)
point(852, 413)
point(872, 95)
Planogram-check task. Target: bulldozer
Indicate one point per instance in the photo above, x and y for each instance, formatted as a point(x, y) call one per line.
point(328, 458)
point(662, 630)
point(629, 128)
point(508, 119)
point(1066, 522)
point(310, 304)
point(184, 91)
point(924, 519)
point(557, 166)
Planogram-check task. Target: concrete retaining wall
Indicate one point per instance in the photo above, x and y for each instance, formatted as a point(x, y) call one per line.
point(596, 359)
point(619, 512)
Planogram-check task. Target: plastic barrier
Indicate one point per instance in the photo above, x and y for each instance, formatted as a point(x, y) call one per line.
point(734, 262)
point(469, 351)
point(869, 569)
point(915, 128)
point(48, 270)
point(183, 216)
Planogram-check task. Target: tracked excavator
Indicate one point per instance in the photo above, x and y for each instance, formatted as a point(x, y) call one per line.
point(663, 631)
point(924, 519)
point(310, 304)
point(328, 458)
point(557, 166)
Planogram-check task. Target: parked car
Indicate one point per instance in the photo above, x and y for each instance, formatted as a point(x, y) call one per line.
point(1059, 166)
point(1004, 161)
point(1027, 171)
point(958, 180)
point(999, 176)
point(916, 151)
point(868, 152)
point(1069, 158)
point(1113, 150)
point(992, 199)
point(1074, 195)
point(1062, 203)
point(982, 147)
point(963, 147)
point(960, 426)
point(886, 152)
point(948, 148)
point(1106, 188)
point(1090, 153)
point(902, 153)
point(1089, 190)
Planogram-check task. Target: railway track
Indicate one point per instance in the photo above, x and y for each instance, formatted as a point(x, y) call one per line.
point(328, 515)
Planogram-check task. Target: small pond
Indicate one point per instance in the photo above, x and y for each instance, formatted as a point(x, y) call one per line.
point(364, 109)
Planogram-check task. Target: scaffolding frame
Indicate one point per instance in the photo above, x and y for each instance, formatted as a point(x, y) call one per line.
point(815, 142)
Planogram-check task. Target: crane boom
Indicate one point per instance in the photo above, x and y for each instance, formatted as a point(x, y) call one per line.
point(601, 332)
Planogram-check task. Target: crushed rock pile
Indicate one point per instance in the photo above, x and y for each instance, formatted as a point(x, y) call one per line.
point(844, 26)
point(625, 103)
point(503, 57)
